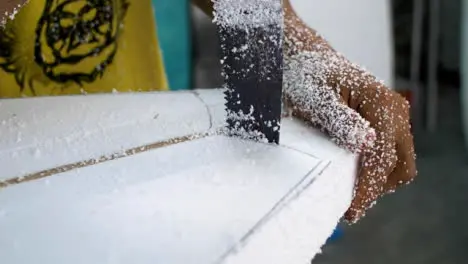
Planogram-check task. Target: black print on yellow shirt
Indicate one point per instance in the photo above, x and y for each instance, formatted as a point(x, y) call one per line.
point(77, 44)
point(76, 40)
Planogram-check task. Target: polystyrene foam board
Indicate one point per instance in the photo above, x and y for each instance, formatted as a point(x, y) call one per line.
point(187, 203)
point(40, 133)
point(210, 200)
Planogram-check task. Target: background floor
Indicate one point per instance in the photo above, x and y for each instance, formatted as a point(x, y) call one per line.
point(424, 223)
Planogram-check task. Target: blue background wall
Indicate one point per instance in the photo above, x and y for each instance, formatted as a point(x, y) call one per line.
point(174, 32)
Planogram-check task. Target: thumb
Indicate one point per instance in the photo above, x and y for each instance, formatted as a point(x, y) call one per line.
point(405, 169)
point(376, 165)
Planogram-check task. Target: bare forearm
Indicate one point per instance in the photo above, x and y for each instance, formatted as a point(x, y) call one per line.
point(8, 8)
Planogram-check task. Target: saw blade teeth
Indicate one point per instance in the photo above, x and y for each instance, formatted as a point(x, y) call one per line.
point(227, 108)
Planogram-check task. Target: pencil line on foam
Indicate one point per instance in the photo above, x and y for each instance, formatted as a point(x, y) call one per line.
point(104, 158)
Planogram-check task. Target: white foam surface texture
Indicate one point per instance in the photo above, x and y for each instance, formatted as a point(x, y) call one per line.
point(189, 203)
point(214, 100)
point(312, 211)
point(211, 200)
point(50, 132)
point(296, 135)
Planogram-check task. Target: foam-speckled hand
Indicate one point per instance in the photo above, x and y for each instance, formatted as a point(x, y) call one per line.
point(391, 161)
point(355, 109)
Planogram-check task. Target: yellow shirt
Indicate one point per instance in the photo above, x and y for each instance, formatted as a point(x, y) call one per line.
point(58, 47)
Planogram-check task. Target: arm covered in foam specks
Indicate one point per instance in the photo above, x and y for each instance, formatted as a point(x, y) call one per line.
point(8, 9)
point(351, 105)
point(327, 89)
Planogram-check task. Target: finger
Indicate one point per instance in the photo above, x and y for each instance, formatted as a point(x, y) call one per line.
point(377, 164)
point(405, 170)
point(324, 108)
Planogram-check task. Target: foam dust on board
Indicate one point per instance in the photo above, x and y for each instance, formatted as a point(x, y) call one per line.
point(297, 234)
point(239, 130)
point(102, 126)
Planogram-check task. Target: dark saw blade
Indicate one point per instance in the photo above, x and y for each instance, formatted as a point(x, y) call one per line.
point(253, 74)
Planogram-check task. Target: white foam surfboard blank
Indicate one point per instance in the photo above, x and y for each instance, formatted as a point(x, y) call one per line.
point(41, 133)
point(211, 200)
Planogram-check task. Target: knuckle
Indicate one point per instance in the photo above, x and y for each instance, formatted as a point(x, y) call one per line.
point(411, 173)
point(408, 174)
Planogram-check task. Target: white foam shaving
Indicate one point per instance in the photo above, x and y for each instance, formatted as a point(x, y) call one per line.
point(242, 13)
point(239, 131)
